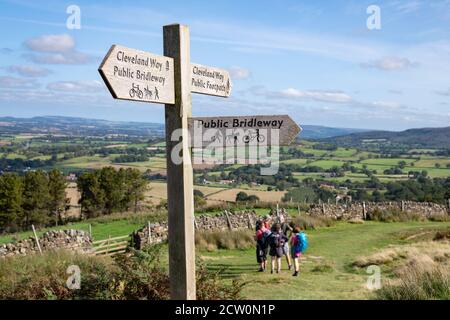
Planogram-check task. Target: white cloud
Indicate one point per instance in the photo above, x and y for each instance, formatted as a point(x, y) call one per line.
point(405, 7)
point(55, 49)
point(390, 64)
point(60, 58)
point(51, 43)
point(387, 104)
point(29, 71)
point(17, 83)
point(76, 86)
point(325, 96)
point(239, 73)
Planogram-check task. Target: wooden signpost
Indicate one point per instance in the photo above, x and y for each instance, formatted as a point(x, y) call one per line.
point(210, 81)
point(136, 75)
point(242, 130)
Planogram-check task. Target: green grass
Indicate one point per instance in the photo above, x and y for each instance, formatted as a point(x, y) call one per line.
point(432, 172)
point(387, 161)
point(327, 164)
point(101, 229)
point(343, 153)
point(325, 268)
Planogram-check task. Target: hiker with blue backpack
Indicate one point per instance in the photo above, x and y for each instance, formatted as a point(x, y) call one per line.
point(299, 243)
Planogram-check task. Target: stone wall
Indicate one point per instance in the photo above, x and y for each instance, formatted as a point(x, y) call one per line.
point(58, 239)
point(225, 221)
point(81, 241)
point(361, 210)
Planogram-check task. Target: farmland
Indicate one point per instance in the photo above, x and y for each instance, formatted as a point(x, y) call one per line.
point(312, 161)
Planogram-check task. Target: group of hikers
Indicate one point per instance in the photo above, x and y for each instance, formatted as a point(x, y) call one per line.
point(272, 237)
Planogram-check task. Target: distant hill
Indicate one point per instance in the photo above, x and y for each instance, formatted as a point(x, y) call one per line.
point(78, 126)
point(320, 132)
point(82, 126)
point(416, 138)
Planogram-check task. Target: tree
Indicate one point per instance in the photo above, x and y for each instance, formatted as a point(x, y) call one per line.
point(241, 196)
point(111, 182)
point(57, 191)
point(402, 164)
point(11, 189)
point(36, 199)
point(199, 199)
point(92, 198)
point(135, 186)
point(300, 194)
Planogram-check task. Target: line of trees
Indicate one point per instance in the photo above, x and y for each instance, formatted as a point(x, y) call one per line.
point(37, 198)
point(108, 190)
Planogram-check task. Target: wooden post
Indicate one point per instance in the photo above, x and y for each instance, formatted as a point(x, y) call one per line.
point(180, 199)
point(230, 226)
point(90, 231)
point(364, 210)
point(250, 223)
point(298, 209)
point(323, 208)
point(278, 210)
point(403, 206)
point(37, 239)
point(149, 232)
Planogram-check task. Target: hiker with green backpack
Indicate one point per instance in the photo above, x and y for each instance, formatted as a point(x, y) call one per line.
point(299, 243)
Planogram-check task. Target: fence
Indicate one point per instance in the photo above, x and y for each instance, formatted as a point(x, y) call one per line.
point(111, 246)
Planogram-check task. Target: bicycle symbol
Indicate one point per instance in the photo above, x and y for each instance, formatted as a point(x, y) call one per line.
point(135, 91)
point(251, 136)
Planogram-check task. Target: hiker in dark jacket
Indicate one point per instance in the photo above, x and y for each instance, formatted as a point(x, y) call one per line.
point(261, 238)
point(276, 247)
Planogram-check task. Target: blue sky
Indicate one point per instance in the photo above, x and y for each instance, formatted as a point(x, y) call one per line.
point(314, 60)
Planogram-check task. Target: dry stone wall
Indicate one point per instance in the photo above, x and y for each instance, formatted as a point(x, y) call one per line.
point(224, 221)
point(80, 240)
point(361, 210)
point(76, 240)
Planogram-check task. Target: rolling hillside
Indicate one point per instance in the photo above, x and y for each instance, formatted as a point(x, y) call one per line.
point(438, 138)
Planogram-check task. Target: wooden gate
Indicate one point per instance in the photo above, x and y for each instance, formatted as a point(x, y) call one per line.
point(111, 246)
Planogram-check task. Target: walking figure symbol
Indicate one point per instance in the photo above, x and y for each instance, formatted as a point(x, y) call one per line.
point(156, 93)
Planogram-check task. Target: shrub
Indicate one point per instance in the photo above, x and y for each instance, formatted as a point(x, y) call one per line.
point(213, 240)
point(393, 216)
point(305, 222)
point(139, 274)
point(418, 284)
point(44, 277)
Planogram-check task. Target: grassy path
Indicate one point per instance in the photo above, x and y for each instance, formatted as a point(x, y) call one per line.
point(336, 247)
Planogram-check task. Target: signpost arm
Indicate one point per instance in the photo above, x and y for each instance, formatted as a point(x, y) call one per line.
point(179, 175)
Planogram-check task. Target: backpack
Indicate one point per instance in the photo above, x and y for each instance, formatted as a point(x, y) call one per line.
point(265, 238)
point(302, 242)
point(277, 240)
